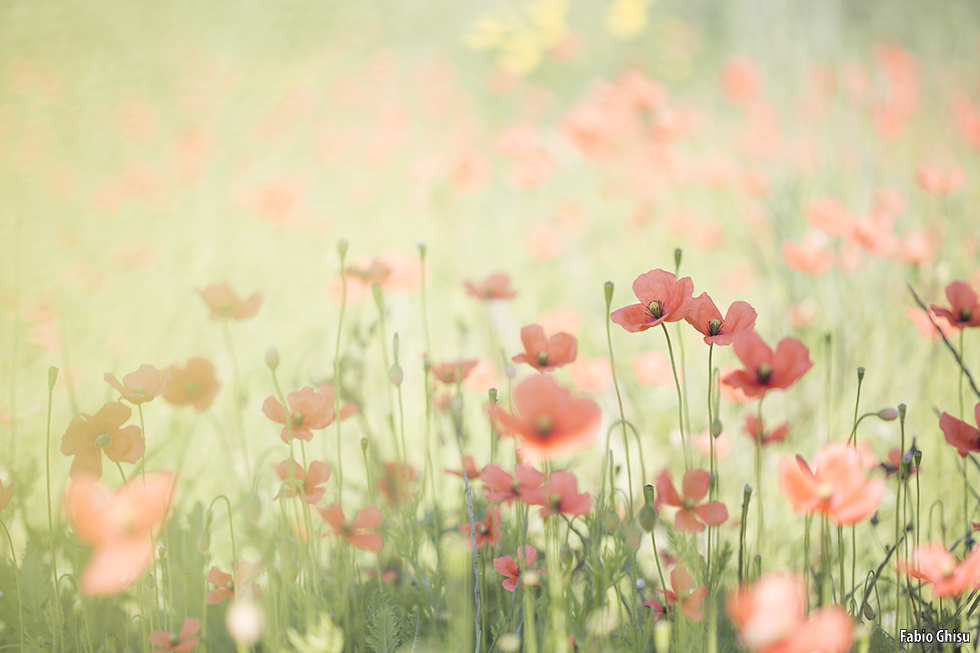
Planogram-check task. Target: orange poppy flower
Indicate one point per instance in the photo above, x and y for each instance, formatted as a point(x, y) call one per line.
point(88, 436)
point(195, 384)
point(141, 386)
point(5, 495)
point(394, 485)
point(308, 410)
point(549, 420)
point(961, 435)
point(691, 518)
point(487, 531)
point(938, 182)
point(307, 482)
point(560, 496)
point(704, 316)
point(453, 372)
point(543, 353)
point(511, 570)
point(935, 565)
point(182, 642)
point(472, 471)
point(226, 582)
point(770, 617)
point(357, 532)
point(663, 298)
point(964, 310)
point(757, 431)
point(691, 600)
point(766, 370)
point(501, 486)
point(225, 304)
point(496, 286)
point(347, 408)
point(119, 526)
point(838, 485)
point(922, 322)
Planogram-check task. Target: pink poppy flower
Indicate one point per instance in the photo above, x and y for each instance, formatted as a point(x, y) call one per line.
point(487, 531)
point(936, 566)
point(501, 486)
point(226, 582)
point(297, 480)
point(704, 316)
point(663, 298)
point(691, 518)
point(959, 434)
point(182, 642)
point(691, 600)
point(511, 570)
point(766, 370)
point(309, 410)
point(358, 532)
point(838, 485)
point(543, 353)
point(560, 496)
point(964, 310)
point(141, 386)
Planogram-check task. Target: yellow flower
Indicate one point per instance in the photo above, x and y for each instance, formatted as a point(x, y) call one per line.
point(626, 19)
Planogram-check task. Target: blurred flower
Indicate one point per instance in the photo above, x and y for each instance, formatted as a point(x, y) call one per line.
point(225, 304)
point(347, 408)
point(691, 600)
point(564, 319)
point(245, 622)
point(5, 495)
point(141, 386)
point(964, 310)
point(811, 256)
point(511, 570)
point(691, 518)
point(894, 463)
point(226, 587)
point(757, 431)
point(549, 420)
point(663, 298)
point(938, 182)
point(119, 526)
point(652, 368)
point(740, 81)
point(723, 446)
point(395, 482)
point(766, 370)
point(487, 531)
point(921, 320)
point(704, 316)
point(837, 486)
point(308, 411)
point(543, 353)
point(358, 532)
point(590, 374)
point(182, 642)
point(501, 486)
point(560, 496)
point(472, 471)
point(496, 286)
point(88, 436)
point(936, 566)
point(308, 482)
point(194, 384)
point(453, 372)
point(770, 617)
point(961, 435)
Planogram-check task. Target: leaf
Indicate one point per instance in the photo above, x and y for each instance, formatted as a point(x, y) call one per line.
point(881, 642)
point(383, 628)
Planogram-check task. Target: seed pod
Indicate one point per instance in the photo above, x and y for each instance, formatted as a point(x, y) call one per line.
point(648, 517)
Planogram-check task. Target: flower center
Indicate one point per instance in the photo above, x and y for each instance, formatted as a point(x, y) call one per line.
point(714, 327)
point(948, 568)
point(689, 503)
point(656, 308)
point(825, 491)
point(764, 373)
point(139, 390)
point(224, 308)
point(192, 388)
point(298, 418)
point(543, 424)
point(542, 358)
point(103, 441)
point(230, 585)
point(173, 640)
point(965, 314)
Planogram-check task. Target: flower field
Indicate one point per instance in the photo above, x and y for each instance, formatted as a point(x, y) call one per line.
point(536, 326)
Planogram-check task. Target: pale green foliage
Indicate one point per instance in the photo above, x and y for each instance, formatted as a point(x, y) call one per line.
point(383, 626)
point(324, 637)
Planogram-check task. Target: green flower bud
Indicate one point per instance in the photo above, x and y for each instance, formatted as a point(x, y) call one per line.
point(649, 494)
point(888, 414)
point(342, 249)
point(395, 375)
point(716, 428)
point(860, 374)
point(364, 444)
point(612, 522)
point(52, 377)
point(648, 517)
point(272, 358)
point(565, 554)
point(678, 255)
point(608, 289)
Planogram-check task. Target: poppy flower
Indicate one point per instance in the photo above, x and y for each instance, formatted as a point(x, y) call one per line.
point(925, 326)
point(487, 531)
point(226, 583)
point(501, 486)
point(757, 431)
point(704, 316)
point(543, 353)
point(964, 310)
point(226, 305)
point(394, 485)
point(347, 408)
point(308, 410)
point(357, 532)
point(195, 384)
point(766, 370)
point(88, 436)
point(307, 482)
point(506, 567)
point(722, 445)
point(369, 271)
point(837, 486)
point(590, 374)
point(549, 420)
point(453, 372)
point(691, 600)
point(964, 437)
point(691, 518)
point(938, 182)
point(894, 463)
point(495, 286)
point(936, 566)
point(5, 495)
point(141, 386)
point(560, 496)
point(770, 617)
point(472, 471)
point(663, 298)
point(119, 526)
point(182, 642)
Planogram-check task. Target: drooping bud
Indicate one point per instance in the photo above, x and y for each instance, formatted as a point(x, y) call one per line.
point(888, 414)
point(161, 552)
point(678, 254)
point(272, 358)
point(648, 517)
point(608, 289)
point(76, 608)
point(395, 375)
point(565, 554)
point(52, 377)
point(716, 428)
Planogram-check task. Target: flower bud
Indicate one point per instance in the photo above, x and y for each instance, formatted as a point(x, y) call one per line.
point(150, 581)
point(648, 517)
point(888, 414)
point(378, 297)
point(272, 358)
point(678, 254)
point(422, 249)
point(649, 494)
point(612, 522)
point(493, 396)
point(364, 444)
point(901, 412)
point(110, 643)
point(565, 554)
point(253, 508)
point(288, 549)
point(76, 608)
point(716, 428)
point(395, 375)
point(608, 289)
point(634, 536)
point(161, 552)
point(52, 377)
point(868, 612)
point(342, 249)
point(918, 458)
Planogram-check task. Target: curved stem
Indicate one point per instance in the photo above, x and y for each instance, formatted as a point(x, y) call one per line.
point(760, 526)
point(622, 414)
point(336, 379)
point(20, 604)
point(54, 559)
point(680, 400)
point(234, 553)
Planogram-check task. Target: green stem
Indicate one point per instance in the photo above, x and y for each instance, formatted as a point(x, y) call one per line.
point(622, 414)
point(336, 376)
point(238, 396)
point(234, 552)
point(711, 462)
point(143, 431)
point(680, 400)
point(760, 524)
point(20, 604)
point(52, 377)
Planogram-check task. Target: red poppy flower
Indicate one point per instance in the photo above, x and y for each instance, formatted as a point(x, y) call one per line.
point(472, 471)
point(194, 384)
point(226, 583)
point(546, 354)
point(893, 465)
point(961, 435)
point(396, 482)
point(691, 518)
point(306, 481)
point(549, 420)
point(141, 386)
point(225, 304)
point(88, 436)
point(487, 531)
point(757, 431)
point(357, 532)
point(119, 526)
point(964, 310)
point(506, 566)
point(838, 485)
point(501, 486)
point(766, 370)
point(308, 410)
point(347, 408)
point(691, 600)
point(454, 372)
point(496, 286)
point(182, 642)
point(704, 316)
point(560, 496)
point(937, 567)
point(663, 298)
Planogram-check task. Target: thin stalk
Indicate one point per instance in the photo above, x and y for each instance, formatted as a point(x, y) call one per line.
point(342, 251)
point(760, 528)
point(619, 397)
point(746, 497)
point(52, 378)
point(226, 330)
point(20, 604)
point(899, 522)
point(680, 400)
point(711, 461)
